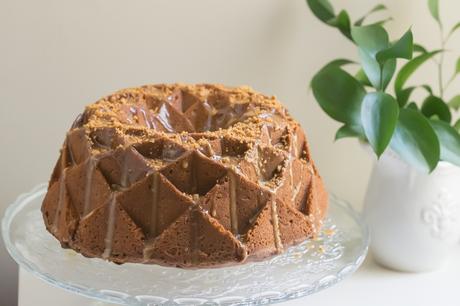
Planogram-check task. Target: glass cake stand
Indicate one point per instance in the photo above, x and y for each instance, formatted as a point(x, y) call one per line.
point(302, 270)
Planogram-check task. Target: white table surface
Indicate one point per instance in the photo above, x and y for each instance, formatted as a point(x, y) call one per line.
point(370, 285)
point(373, 285)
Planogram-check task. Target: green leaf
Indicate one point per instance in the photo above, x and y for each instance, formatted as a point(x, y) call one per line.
point(371, 68)
point(371, 39)
point(404, 95)
point(378, 7)
point(457, 125)
point(403, 48)
point(419, 48)
point(322, 9)
point(433, 5)
point(339, 63)
point(379, 115)
point(427, 88)
point(350, 131)
point(410, 67)
point(415, 141)
point(436, 106)
point(449, 140)
point(454, 29)
point(362, 78)
point(339, 94)
point(455, 102)
point(389, 69)
point(342, 22)
point(413, 106)
point(381, 22)
point(378, 76)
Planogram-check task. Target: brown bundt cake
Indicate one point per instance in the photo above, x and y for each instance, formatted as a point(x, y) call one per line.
point(186, 176)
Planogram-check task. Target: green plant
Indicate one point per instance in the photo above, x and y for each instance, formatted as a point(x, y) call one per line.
point(420, 135)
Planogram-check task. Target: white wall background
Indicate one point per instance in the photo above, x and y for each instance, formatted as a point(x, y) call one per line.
point(56, 56)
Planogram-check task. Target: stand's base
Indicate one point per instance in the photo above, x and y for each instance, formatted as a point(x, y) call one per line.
point(33, 291)
point(301, 270)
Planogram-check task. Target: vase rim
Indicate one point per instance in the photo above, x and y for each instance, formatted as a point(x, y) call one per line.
point(442, 164)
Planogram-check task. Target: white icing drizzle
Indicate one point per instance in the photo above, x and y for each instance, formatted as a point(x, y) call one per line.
point(60, 203)
point(213, 211)
point(310, 169)
point(170, 153)
point(254, 158)
point(150, 119)
point(294, 143)
point(194, 243)
point(132, 111)
point(233, 213)
point(276, 229)
point(214, 155)
point(295, 191)
point(291, 175)
point(153, 124)
point(196, 198)
point(110, 227)
point(293, 154)
point(124, 173)
point(112, 206)
point(211, 110)
point(265, 132)
point(147, 121)
point(154, 188)
point(314, 210)
point(163, 118)
point(272, 190)
point(88, 184)
point(211, 151)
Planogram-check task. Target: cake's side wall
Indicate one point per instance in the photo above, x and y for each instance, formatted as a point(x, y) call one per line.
point(52, 64)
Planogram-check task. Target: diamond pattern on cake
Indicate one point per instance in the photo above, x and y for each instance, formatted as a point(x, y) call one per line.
point(60, 216)
point(193, 173)
point(123, 167)
point(161, 151)
point(184, 176)
point(195, 239)
point(153, 203)
point(89, 187)
point(108, 231)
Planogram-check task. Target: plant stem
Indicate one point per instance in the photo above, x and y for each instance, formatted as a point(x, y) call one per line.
point(449, 82)
point(441, 63)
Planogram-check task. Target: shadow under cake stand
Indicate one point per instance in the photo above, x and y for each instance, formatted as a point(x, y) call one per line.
point(302, 270)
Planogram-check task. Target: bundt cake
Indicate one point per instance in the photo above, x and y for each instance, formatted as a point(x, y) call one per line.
point(186, 176)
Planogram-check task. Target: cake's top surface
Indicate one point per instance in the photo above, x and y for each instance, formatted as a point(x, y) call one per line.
point(164, 121)
point(207, 108)
point(167, 110)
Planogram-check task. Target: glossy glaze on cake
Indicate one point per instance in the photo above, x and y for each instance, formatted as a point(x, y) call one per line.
point(186, 176)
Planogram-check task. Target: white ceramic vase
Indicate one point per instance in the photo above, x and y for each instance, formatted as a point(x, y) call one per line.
point(414, 218)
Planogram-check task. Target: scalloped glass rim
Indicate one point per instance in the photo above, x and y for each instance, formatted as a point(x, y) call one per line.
point(317, 264)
